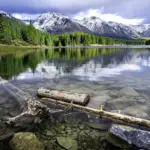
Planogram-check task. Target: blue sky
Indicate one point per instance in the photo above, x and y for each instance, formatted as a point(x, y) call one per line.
point(123, 11)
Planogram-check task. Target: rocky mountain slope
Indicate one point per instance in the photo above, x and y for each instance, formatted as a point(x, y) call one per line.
point(111, 29)
point(57, 23)
point(143, 29)
point(5, 14)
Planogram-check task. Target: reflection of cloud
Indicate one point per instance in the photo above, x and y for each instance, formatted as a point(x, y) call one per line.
point(93, 72)
point(28, 75)
point(49, 70)
point(143, 62)
point(43, 70)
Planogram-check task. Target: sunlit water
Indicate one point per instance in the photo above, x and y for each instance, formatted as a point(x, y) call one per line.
point(108, 75)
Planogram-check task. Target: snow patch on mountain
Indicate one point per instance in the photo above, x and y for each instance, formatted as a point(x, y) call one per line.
point(92, 23)
point(111, 29)
point(57, 23)
point(49, 20)
point(4, 13)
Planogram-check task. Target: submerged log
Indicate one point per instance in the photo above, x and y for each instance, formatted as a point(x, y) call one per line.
point(81, 99)
point(114, 116)
point(32, 111)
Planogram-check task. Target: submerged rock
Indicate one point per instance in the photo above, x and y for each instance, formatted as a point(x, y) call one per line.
point(129, 136)
point(98, 126)
point(137, 110)
point(96, 101)
point(67, 142)
point(128, 91)
point(26, 141)
point(119, 103)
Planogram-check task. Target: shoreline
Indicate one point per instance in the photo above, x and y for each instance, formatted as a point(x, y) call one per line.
point(73, 46)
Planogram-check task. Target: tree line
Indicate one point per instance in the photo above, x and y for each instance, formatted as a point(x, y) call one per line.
point(13, 31)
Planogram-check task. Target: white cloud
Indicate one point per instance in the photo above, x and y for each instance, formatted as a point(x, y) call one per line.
point(107, 17)
point(91, 12)
point(25, 16)
point(125, 8)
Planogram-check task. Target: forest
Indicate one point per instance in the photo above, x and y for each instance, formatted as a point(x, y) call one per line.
point(15, 32)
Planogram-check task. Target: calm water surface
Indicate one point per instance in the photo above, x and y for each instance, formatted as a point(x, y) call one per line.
point(115, 78)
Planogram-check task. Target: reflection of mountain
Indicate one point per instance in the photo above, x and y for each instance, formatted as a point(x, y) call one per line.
point(56, 63)
point(114, 64)
point(13, 64)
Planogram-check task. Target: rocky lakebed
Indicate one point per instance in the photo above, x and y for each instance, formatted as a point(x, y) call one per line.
point(76, 130)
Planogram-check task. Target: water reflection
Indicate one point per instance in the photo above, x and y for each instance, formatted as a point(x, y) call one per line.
point(88, 64)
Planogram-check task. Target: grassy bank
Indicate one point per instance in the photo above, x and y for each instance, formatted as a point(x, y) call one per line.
point(8, 48)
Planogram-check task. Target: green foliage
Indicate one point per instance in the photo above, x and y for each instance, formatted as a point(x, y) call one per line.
point(14, 30)
point(147, 42)
point(85, 39)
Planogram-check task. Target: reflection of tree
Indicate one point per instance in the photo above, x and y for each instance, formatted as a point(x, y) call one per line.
point(10, 66)
point(65, 59)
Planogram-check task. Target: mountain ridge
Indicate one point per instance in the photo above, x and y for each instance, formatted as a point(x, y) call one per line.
point(16, 32)
point(111, 29)
point(57, 23)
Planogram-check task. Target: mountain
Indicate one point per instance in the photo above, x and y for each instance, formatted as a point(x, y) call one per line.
point(111, 29)
point(143, 29)
point(57, 23)
point(5, 14)
point(26, 21)
point(52, 22)
point(16, 32)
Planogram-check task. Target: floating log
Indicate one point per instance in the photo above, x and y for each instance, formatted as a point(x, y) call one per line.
point(76, 98)
point(114, 116)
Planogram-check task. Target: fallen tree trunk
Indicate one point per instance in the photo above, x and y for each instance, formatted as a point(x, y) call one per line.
point(81, 99)
point(115, 116)
point(20, 96)
point(32, 111)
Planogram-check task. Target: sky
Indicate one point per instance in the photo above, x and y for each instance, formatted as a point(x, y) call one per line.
point(122, 11)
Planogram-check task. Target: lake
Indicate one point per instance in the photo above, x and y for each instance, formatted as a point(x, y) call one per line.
point(116, 78)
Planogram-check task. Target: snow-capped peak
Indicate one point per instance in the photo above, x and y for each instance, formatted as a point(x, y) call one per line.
point(91, 23)
point(51, 15)
point(57, 23)
point(141, 28)
point(4, 13)
point(111, 29)
point(49, 19)
point(92, 19)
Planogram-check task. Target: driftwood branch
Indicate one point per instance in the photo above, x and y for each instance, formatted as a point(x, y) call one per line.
point(115, 116)
point(34, 111)
point(31, 108)
point(81, 99)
